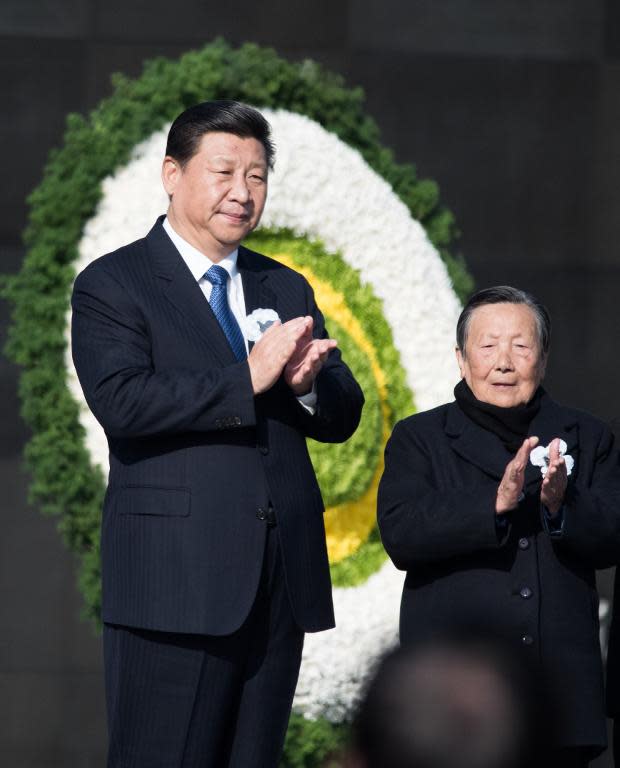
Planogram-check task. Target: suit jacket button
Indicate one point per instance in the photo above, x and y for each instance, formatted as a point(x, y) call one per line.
point(525, 593)
point(524, 543)
point(527, 640)
point(261, 514)
point(263, 449)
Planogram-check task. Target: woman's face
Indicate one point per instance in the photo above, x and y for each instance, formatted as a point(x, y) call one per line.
point(502, 363)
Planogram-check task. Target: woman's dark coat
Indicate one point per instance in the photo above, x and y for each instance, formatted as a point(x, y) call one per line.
point(436, 511)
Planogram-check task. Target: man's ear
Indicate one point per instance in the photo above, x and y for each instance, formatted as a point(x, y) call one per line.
point(460, 361)
point(170, 174)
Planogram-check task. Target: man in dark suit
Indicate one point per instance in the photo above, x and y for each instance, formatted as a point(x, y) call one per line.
point(213, 548)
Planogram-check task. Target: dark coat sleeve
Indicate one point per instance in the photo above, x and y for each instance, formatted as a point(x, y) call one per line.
point(339, 396)
point(591, 529)
point(111, 347)
point(423, 520)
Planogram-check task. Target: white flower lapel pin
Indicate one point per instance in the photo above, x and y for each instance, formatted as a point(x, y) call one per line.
point(540, 458)
point(258, 322)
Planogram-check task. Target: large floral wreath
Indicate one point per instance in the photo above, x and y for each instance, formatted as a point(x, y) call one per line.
point(372, 240)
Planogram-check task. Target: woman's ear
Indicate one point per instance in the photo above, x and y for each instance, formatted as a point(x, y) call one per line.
point(461, 361)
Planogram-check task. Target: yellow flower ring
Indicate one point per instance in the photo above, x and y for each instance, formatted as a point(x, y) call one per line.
point(347, 525)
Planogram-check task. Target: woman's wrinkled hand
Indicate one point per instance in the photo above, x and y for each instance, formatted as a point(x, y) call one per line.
point(555, 480)
point(511, 484)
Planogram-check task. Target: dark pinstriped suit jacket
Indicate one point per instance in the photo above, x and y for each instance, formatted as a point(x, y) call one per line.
point(194, 455)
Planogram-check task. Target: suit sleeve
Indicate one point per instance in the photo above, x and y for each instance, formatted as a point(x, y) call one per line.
point(111, 348)
point(339, 397)
point(422, 522)
point(591, 528)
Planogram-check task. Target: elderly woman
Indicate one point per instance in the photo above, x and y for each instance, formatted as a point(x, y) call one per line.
point(501, 505)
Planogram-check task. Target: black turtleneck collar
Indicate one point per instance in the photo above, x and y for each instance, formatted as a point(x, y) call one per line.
point(511, 425)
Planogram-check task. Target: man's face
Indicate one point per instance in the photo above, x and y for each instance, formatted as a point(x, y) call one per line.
point(218, 198)
point(503, 363)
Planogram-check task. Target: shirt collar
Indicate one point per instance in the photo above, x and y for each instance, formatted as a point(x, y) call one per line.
point(196, 261)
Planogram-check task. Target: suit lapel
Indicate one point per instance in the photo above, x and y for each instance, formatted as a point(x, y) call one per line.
point(256, 291)
point(182, 290)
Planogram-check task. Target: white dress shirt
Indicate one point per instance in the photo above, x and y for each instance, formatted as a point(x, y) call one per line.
point(198, 264)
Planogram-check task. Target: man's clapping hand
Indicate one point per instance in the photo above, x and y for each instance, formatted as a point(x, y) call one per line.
point(288, 347)
point(273, 351)
point(306, 361)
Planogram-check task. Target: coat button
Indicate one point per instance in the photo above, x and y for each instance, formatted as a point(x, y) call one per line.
point(263, 449)
point(525, 593)
point(527, 640)
point(261, 514)
point(524, 543)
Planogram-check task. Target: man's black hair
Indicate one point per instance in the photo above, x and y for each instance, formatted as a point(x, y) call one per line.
point(223, 116)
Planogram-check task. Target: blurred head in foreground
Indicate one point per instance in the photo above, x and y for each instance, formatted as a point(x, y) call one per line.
point(462, 702)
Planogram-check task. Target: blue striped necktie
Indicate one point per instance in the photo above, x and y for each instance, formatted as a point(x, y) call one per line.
point(218, 278)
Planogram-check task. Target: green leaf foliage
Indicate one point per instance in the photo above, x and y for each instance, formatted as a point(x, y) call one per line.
point(313, 743)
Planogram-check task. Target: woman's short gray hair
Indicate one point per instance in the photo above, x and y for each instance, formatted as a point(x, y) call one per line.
point(505, 294)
